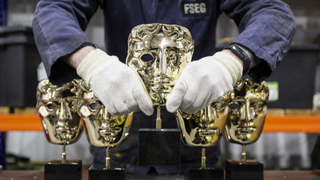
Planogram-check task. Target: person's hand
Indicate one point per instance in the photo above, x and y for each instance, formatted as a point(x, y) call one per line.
point(114, 83)
point(205, 81)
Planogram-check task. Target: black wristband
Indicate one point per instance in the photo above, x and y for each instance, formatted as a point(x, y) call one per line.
point(243, 55)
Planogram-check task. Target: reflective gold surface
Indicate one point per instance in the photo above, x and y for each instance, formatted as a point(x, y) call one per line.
point(205, 128)
point(56, 109)
point(102, 128)
point(247, 112)
point(158, 53)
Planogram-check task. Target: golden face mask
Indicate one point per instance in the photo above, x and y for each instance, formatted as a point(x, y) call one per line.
point(102, 128)
point(56, 109)
point(158, 53)
point(205, 128)
point(247, 112)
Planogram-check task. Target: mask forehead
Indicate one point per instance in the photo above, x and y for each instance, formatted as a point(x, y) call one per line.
point(162, 41)
point(45, 91)
point(88, 96)
point(248, 107)
point(48, 91)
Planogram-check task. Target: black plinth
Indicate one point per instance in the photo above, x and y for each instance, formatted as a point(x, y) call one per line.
point(159, 147)
point(251, 170)
point(55, 169)
point(100, 173)
point(205, 174)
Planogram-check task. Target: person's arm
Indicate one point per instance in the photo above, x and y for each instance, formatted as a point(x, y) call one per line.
point(59, 31)
point(266, 29)
point(68, 54)
point(74, 59)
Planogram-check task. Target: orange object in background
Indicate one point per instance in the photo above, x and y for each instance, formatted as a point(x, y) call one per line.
point(292, 124)
point(15, 122)
point(273, 124)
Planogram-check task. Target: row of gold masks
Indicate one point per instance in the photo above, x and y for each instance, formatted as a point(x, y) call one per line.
point(65, 110)
point(157, 53)
point(68, 109)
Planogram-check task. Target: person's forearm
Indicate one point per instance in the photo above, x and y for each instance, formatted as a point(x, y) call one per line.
point(58, 28)
point(75, 58)
point(268, 41)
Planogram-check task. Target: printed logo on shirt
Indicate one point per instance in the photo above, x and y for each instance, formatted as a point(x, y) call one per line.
point(195, 9)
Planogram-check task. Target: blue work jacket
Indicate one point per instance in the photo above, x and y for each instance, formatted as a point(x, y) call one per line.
point(266, 28)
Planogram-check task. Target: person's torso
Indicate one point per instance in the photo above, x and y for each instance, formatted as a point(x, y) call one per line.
point(199, 16)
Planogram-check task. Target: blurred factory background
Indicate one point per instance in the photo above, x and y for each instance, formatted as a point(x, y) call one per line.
point(275, 150)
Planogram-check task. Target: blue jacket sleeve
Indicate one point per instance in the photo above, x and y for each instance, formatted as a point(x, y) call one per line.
point(266, 27)
point(59, 26)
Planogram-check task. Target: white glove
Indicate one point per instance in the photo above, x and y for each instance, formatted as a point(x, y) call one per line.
point(203, 82)
point(114, 83)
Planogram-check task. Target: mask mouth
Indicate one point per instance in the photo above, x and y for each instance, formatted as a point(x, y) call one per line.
point(161, 84)
point(111, 132)
point(65, 132)
point(161, 80)
point(160, 88)
point(66, 129)
point(209, 132)
point(246, 130)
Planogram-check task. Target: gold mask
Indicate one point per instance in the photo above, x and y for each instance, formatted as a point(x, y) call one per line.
point(247, 112)
point(56, 109)
point(205, 128)
point(102, 128)
point(158, 53)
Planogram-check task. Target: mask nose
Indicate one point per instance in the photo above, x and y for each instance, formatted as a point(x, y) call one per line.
point(208, 114)
point(106, 115)
point(163, 63)
point(64, 111)
point(248, 110)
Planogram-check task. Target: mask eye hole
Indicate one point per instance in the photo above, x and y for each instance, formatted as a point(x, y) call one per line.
point(234, 106)
point(94, 106)
point(52, 105)
point(146, 57)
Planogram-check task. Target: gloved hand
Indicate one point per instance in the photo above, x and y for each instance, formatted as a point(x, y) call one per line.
point(203, 82)
point(114, 83)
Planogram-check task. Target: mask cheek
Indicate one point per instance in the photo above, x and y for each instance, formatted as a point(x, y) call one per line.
point(43, 112)
point(84, 111)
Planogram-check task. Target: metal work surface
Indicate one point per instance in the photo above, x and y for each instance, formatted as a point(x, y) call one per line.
point(268, 175)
